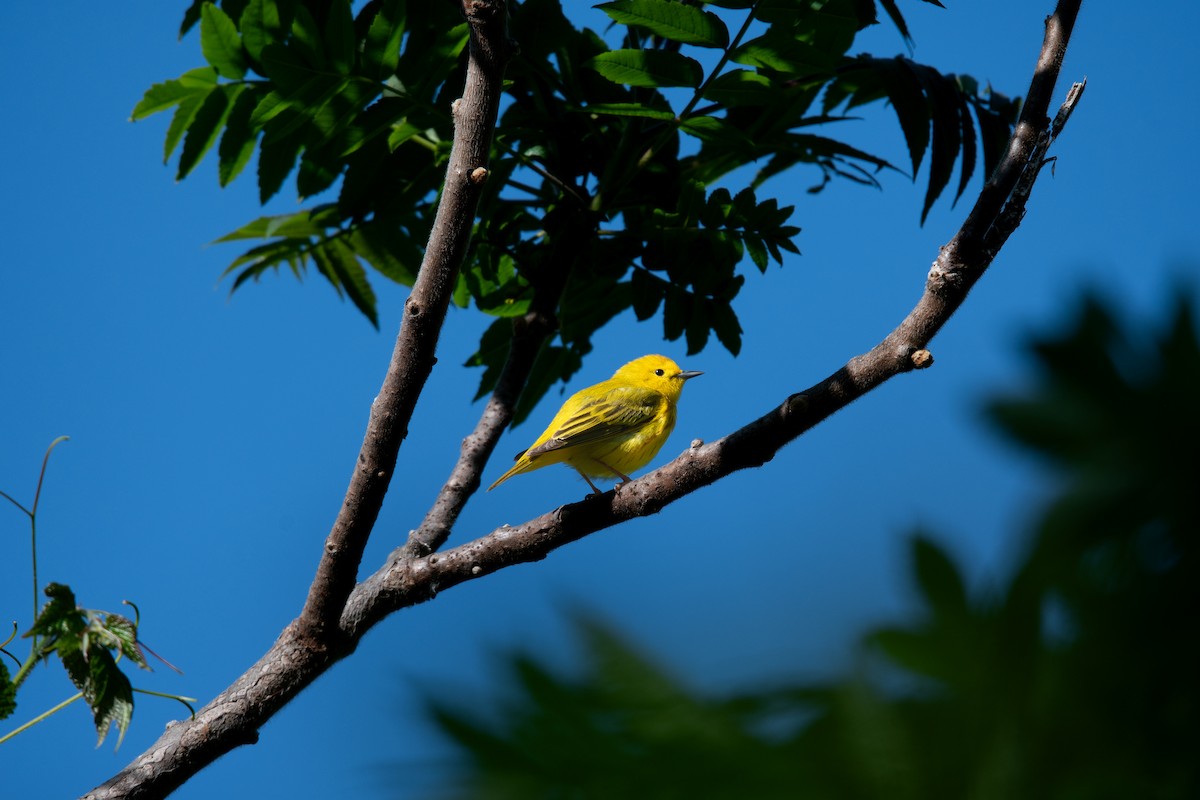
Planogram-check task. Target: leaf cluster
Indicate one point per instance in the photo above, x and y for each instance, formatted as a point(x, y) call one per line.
point(1075, 676)
point(89, 644)
point(627, 171)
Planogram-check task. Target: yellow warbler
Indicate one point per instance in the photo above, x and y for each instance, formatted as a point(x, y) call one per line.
point(613, 428)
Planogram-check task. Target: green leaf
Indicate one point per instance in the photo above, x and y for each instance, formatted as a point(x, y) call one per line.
point(388, 249)
point(670, 20)
point(191, 17)
point(725, 324)
point(60, 616)
point(865, 77)
point(967, 168)
point(648, 68)
point(306, 39)
point(162, 96)
point(491, 355)
point(553, 364)
point(757, 250)
point(300, 225)
point(938, 578)
point(8, 692)
point(897, 19)
point(109, 694)
point(784, 51)
point(258, 260)
point(122, 637)
point(261, 25)
point(277, 156)
point(947, 132)
point(911, 650)
point(337, 262)
point(237, 143)
point(628, 110)
point(187, 109)
point(717, 130)
point(339, 37)
point(381, 51)
point(205, 126)
point(220, 42)
point(648, 291)
point(675, 312)
point(82, 640)
point(318, 171)
point(269, 106)
point(288, 70)
point(741, 87)
point(180, 121)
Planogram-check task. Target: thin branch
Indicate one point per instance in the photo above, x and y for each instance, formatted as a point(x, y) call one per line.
point(424, 312)
point(308, 646)
point(529, 334)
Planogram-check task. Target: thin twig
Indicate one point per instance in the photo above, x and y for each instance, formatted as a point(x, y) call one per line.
point(530, 333)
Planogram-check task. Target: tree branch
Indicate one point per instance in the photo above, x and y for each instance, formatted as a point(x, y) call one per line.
point(313, 642)
point(424, 312)
point(529, 334)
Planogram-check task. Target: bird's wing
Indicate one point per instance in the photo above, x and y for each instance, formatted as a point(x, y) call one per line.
point(616, 413)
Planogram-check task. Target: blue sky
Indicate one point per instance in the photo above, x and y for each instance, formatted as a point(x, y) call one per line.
point(212, 437)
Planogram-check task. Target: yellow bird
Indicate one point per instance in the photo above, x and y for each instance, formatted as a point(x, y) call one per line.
point(613, 428)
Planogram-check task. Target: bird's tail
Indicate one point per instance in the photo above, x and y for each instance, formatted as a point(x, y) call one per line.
point(517, 468)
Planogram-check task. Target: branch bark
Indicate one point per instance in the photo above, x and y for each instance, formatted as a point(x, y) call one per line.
point(314, 641)
point(337, 613)
point(421, 325)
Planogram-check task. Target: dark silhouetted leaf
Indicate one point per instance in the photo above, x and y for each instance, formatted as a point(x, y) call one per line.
point(238, 140)
point(206, 126)
point(630, 110)
point(338, 36)
point(938, 578)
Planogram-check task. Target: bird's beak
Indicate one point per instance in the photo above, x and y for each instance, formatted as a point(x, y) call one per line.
point(687, 373)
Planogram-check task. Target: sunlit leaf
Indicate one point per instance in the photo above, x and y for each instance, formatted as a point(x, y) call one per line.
point(220, 42)
point(650, 68)
point(381, 51)
point(162, 96)
point(260, 24)
point(670, 20)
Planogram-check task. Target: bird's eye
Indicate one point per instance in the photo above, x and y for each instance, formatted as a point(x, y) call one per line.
point(658, 372)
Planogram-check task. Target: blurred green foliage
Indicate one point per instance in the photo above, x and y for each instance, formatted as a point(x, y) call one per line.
point(626, 170)
point(1076, 676)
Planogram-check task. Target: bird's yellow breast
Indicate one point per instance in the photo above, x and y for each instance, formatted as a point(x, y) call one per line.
point(628, 453)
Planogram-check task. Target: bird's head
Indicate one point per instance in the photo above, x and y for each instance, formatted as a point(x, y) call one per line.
point(655, 372)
